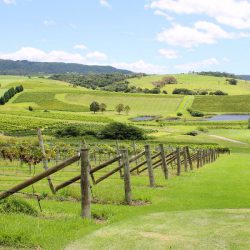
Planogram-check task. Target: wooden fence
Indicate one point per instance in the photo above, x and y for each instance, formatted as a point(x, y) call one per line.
point(184, 159)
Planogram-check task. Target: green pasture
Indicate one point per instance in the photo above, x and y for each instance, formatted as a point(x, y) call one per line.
point(205, 207)
point(195, 82)
point(140, 104)
point(222, 104)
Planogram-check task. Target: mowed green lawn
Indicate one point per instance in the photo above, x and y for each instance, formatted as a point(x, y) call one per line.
point(195, 82)
point(140, 104)
point(222, 104)
point(208, 209)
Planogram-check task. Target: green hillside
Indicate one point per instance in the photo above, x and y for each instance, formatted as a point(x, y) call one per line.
point(195, 82)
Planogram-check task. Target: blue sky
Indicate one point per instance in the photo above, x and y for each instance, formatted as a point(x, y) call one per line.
point(152, 36)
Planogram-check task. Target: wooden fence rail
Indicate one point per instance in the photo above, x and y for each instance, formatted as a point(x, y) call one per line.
point(181, 158)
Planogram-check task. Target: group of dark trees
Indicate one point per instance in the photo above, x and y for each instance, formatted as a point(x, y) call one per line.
point(96, 106)
point(95, 81)
point(217, 74)
point(10, 93)
point(107, 82)
point(114, 130)
point(183, 91)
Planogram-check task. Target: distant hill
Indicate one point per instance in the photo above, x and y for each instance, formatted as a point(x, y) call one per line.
point(244, 77)
point(9, 67)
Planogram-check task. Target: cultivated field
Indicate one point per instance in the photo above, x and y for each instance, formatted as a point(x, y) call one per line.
point(206, 208)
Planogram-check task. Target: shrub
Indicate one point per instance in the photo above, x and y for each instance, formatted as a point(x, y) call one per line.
point(14, 205)
point(203, 92)
point(121, 131)
point(30, 108)
point(164, 92)
point(179, 114)
point(70, 131)
point(232, 81)
point(197, 114)
point(192, 133)
point(183, 91)
point(219, 92)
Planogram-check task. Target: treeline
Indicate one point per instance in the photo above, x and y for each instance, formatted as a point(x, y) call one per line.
point(183, 91)
point(108, 82)
point(10, 93)
point(217, 74)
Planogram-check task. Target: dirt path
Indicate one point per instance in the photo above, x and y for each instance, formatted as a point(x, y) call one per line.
point(228, 139)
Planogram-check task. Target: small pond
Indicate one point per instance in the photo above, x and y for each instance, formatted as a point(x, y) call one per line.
point(144, 118)
point(229, 118)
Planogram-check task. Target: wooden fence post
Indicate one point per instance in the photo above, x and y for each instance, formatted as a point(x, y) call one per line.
point(119, 162)
point(198, 158)
point(136, 161)
point(164, 162)
point(44, 158)
point(185, 159)
point(178, 158)
point(85, 185)
point(127, 183)
point(149, 165)
point(189, 158)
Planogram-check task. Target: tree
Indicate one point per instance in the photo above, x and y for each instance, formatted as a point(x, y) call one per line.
point(103, 107)
point(94, 106)
point(121, 131)
point(2, 101)
point(119, 108)
point(232, 81)
point(127, 109)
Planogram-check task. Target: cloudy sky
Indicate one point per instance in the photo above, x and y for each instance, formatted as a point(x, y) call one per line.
point(152, 36)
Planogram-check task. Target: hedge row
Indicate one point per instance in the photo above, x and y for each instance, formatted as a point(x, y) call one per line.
point(10, 93)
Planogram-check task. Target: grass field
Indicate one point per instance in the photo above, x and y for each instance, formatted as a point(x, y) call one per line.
point(195, 82)
point(222, 104)
point(140, 104)
point(208, 208)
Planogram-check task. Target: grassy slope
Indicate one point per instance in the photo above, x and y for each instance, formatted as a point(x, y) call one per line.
point(222, 104)
point(222, 185)
point(195, 82)
point(178, 204)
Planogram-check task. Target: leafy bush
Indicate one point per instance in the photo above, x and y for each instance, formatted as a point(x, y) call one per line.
point(183, 91)
point(70, 131)
point(192, 133)
point(197, 114)
point(179, 114)
point(121, 131)
point(218, 92)
point(14, 205)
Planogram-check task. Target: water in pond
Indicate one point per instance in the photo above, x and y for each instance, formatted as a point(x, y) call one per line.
point(144, 118)
point(229, 118)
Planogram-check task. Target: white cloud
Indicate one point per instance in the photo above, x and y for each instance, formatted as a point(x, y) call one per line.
point(141, 67)
point(193, 66)
point(169, 53)
point(80, 46)
point(161, 13)
point(105, 3)
point(33, 54)
point(96, 55)
point(9, 1)
point(234, 13)
point(201, 33)
point(49, 22)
